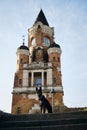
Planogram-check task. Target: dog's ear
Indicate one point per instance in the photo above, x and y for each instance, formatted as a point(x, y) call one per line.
point(36, 89)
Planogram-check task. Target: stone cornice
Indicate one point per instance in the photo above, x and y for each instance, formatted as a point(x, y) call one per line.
point(45, 29)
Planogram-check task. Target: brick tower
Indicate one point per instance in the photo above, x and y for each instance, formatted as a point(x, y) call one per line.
point(38, 64)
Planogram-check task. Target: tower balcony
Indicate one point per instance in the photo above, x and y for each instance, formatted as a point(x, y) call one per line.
point(37, 65)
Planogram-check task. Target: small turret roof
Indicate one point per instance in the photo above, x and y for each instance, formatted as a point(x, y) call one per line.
point(41, 18)
point(54, 45)
point(23, 47)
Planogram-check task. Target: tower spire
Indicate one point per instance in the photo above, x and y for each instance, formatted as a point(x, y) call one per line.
point(41, 18)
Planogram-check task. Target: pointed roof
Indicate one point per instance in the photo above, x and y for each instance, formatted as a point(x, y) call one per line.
point(41, 18)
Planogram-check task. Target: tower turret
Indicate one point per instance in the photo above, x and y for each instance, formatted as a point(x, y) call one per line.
point(54, 54)
point(22, 56)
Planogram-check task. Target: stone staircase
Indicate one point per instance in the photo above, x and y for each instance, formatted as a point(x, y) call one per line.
point(56, 121)
point(35, 109)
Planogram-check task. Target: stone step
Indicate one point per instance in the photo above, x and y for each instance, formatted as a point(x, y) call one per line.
point(56, 127)
point(30, 123)
point(57, 121)
point(49, 116)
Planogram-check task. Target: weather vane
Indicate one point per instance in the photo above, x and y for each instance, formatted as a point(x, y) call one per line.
point(23, 39)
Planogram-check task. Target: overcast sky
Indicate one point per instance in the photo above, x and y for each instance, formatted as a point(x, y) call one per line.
point(69, 19)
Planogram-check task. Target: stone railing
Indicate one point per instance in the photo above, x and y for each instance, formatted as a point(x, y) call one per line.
point(37, 65)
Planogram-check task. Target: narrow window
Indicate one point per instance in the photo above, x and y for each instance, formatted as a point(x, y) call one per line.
point(58, 59)
point(21, 61)
point(54, 59)
point(18, 110)
point(54, 81)
point(20, 81)
point(39, 26)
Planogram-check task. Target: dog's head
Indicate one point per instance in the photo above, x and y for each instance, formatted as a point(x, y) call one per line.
point(39, 91)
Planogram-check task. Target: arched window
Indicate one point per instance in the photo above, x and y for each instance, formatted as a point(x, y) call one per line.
point(46, 41)
point(33, 42)
point(39, 26)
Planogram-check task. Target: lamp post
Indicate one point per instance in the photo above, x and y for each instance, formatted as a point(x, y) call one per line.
point(52, 91)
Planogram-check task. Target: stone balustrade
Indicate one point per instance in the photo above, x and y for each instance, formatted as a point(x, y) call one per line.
point(37, 65)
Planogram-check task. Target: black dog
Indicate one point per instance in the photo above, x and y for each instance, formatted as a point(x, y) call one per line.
point(45, 105)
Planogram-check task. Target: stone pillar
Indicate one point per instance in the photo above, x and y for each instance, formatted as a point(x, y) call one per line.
point(32, 79)
point(42, 78)
point(49, 77)
point(25, 78)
